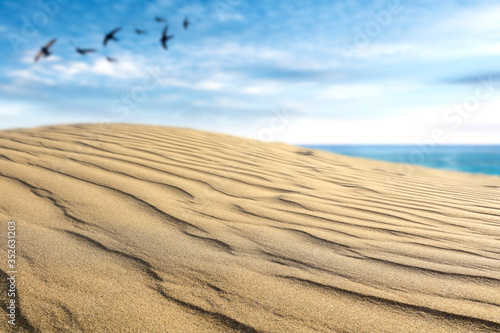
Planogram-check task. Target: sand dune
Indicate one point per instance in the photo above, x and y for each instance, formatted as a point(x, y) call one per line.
point(153, 229)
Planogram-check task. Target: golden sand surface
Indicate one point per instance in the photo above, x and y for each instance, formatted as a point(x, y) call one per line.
point(132, 228)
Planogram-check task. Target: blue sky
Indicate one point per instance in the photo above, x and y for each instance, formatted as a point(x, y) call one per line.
point(298, 71)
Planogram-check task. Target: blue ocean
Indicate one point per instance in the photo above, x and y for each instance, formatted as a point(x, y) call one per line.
point(471, 159)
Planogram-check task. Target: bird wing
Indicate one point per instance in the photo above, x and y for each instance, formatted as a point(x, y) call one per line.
point(164, 37)
point(110, 35)
point(89, 50)
point(115, 31)
point(49, 44)
point(39, 54)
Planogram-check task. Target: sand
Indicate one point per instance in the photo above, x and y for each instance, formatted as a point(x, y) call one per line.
point(129, 228)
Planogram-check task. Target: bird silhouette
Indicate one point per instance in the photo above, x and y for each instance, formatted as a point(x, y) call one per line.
point(82, 51)
point(44, 51)
point(85, 51)
point(186, 23)
point(165, 38)
point(111, 59)
point(110, 35)
point(140, 32)
point(159, 19)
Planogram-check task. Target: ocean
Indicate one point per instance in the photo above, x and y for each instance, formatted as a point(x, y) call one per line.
point(471, 159)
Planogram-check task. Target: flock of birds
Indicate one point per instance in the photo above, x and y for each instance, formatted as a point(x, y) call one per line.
point(165, 37)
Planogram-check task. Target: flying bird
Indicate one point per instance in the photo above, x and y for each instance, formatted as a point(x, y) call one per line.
point(186, 23)
point(44, 51)
point(165, 37)
point(159, 19)
point(82, 51)
point(85, 51)
point(111, 59)
point(110, 35)
point(140, 32)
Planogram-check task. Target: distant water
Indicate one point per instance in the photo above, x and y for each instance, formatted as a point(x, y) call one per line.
point(472, 159)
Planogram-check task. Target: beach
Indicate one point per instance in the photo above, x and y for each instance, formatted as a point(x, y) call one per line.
point(135, 228)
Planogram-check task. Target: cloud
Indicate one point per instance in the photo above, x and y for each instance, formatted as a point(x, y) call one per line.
point(353, 91)
point(263, 55)
point(475, 79)
point(469, 22)
point(13, 109)
point(126, 68)
point(269, 88)
point(419, 33)
point(411, 128)
point(386, 49)
point(227, 13)
point(26, 75)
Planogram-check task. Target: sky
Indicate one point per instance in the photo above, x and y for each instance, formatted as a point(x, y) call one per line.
point(297, 71)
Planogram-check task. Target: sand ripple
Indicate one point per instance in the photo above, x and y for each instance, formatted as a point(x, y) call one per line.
point(149, 229)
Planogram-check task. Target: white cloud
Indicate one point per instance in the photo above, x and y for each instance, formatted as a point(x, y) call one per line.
point(234, 51)
point(470, 22)
point(412, 126)
point(125, 68)
point(387, 49)
point(485, 115)
point(209, 85)
point(266, 88)
point(24, 75)
point(463, 32)
point(13, 109)
point(229, 16)
point(346, 92)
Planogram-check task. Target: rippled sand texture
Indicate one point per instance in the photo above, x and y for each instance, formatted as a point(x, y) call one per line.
point(153, 229)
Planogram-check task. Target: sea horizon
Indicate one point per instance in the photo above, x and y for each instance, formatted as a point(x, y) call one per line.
point(468, 158)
